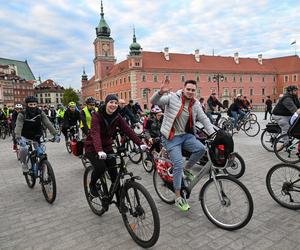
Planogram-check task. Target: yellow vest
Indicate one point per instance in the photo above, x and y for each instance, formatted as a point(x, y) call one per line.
point(88, 117)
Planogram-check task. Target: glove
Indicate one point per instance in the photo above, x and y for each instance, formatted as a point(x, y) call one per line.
point(102, 155)
point(143, 147)
point(57, 138)
point(21, 141)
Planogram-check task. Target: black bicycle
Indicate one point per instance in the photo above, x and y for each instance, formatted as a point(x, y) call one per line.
point(40, 168)
point(283, 184)
point(135, 204)
point(72, 134)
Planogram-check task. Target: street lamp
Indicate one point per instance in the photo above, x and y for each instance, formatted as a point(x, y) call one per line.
point(146, 92)
point(218, 78)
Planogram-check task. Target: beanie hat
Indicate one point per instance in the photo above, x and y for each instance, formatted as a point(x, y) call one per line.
point(110, 98)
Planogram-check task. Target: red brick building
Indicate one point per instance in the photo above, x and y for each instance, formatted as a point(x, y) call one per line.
point(142, 72)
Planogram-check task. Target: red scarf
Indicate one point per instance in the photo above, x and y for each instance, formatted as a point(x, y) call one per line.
point(190, 121)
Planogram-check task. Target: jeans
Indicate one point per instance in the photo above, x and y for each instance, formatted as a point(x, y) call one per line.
point(209, 115)
point(174, 148)
point(237, 115)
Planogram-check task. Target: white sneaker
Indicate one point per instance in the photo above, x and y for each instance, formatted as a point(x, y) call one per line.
point(25, 168)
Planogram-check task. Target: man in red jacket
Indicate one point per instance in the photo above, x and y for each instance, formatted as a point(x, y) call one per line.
point(100, 139)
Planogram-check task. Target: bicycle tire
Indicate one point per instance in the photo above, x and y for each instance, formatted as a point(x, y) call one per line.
point(95, 203)
point(268, 144)
point(283, 188)
point(148, 158)
point(280, 149)
point(138, 212)
point(3, 135)
point(229, 198)
point(161, 187)
point(134, 154)
point(29, 176)
point(68, 146)
point(47, 177)
point(251, 124)
point(241, 166)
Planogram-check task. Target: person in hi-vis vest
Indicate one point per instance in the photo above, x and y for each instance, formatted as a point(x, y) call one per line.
point(86, 115)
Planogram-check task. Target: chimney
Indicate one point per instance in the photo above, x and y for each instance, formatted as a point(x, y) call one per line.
point(260, 59)
point(197, 55)
point(236, 57)
point(166, 53)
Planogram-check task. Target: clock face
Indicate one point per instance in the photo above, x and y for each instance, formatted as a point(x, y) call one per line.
point(105, 47)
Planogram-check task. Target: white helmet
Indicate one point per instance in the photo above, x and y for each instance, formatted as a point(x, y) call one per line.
point(18, 106)
point(156, 109)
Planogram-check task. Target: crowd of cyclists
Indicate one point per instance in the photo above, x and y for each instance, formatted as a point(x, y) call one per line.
point(170, 123)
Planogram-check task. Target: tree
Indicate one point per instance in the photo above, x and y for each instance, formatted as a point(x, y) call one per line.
point(70, 96)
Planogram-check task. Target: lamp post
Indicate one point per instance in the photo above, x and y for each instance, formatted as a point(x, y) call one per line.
point(146, 92)
point(218, 78)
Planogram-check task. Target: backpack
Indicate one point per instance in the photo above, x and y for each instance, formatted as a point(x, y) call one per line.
point(220, 148)
point(294, 129)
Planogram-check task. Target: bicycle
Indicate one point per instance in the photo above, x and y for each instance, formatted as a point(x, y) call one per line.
point(287, 149)
point(226, 202)
point(40, 168)
point(269, 135)
point(283, 184)
point(135, 204)
point(72, 134)
point(4, 129)
point(249, 126)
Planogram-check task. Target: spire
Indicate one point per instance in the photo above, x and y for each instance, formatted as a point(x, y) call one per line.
point(102, 30)
point(135, 48)
point(84, 76)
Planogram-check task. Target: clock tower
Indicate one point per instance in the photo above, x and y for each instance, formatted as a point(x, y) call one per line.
point(104, 52)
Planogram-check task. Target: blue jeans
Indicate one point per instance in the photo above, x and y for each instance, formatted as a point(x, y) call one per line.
point(174, 148)
point(237, 115)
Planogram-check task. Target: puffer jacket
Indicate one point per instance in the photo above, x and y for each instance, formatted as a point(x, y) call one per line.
point(172, 104)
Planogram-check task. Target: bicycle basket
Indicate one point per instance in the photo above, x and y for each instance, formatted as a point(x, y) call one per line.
point(273, 128)
point(164, 169)
point(220, 148)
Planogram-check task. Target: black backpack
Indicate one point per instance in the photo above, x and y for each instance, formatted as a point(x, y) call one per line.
point(294, 129)
point(220, 148)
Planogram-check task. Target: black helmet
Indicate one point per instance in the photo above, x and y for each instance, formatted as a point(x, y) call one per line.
point(90, 100)
point(31, 98)
point(291, 88)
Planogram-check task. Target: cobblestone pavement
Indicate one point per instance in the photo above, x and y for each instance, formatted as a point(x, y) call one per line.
point(27, 221)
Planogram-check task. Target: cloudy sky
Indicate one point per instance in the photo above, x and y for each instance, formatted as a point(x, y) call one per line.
point(56, 36)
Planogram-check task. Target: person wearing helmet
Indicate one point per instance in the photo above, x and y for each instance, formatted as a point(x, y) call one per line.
point(286, 107)
point(152, 128)
point(71, 118)
point(29, 126)
point(52, 114)
point(86, 115)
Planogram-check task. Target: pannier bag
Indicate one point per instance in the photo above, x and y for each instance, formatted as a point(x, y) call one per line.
point(273, 128)
point(294, 129)
point(76, 147)
point(220, 148)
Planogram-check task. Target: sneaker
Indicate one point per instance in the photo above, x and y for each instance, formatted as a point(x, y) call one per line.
point(189, 175)
point(25, 168)
point(182, 204)
point(93, 190)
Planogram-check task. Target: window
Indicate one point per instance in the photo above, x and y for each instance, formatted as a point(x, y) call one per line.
point(209, 79)
point(155, 78)
point(233, 79)
point(225, 78)
point(120, 80)
point(274, 91)
point(197, 78)
point(144, 78)
point(263, 100)
point(198, 92)
point(241, 91)
point(167, 77)
point(286, 78)
point(121, 95)
point(124, 79)
point(225, 92)
point(274, 78)
point(263, 79)
point(295, 78)
point(128, 78)
point(234, 92)
point(125, 94)
point(137, 64)
point(250, 79)
point(263, 91)
point(129, 94)
point(241, 79)
point(251, 91)
point(182, 78)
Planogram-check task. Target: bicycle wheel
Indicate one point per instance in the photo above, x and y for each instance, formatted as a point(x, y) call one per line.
point(283, 184)
point(235, 209)
point(134, 153)
point(148, 162)
point(221, 121)
point(48, 182)
point(286, 149)
point(267, 140)
point(237, 167)
point(251, 128)
point(95, 203)
point(85, 161)
point(29, 176)
point(163, 189)
point(3, 135)
point(140, 214)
